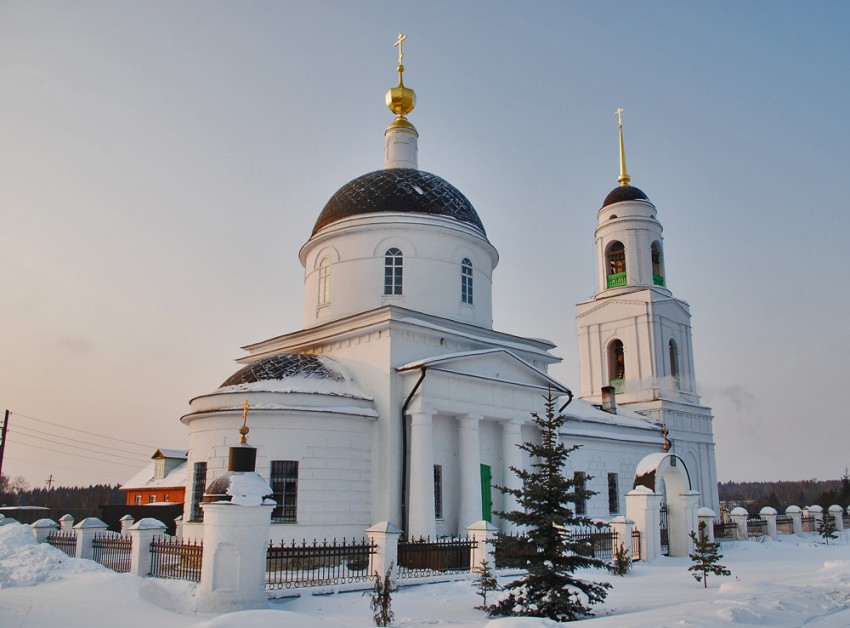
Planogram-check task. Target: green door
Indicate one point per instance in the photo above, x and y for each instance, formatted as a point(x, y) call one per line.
point(486, 496)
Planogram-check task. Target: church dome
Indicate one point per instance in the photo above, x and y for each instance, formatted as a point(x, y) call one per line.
point(404, 190)
point(285, 366)
point(624, 193)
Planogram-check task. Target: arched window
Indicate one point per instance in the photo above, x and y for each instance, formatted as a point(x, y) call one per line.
point(324, 281)
point(616, 365)
point(657, 265)
point(392, 271)
point(616, 264)
point(674, 360)
point(466, 281)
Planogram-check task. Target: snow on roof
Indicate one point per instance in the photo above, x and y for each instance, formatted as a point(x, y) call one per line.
point(581, 410)
point(301, 384)
point(180, 454)
point(146, 478)
point(649, 463)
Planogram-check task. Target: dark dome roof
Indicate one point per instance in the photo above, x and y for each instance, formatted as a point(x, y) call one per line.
point(399, 190)
point(624, 193)
point(283, 366)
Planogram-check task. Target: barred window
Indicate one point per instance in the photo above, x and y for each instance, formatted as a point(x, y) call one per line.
point(466, 281)
point(284, 482)
point(324, 281)
point(579, 482)
point(393, 272)
point(438, 491)
point(199, 483)
point(613, 494)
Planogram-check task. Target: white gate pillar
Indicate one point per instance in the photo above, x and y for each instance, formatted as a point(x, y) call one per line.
point(643, 506)
point(623, 528)
point(469, 449)
point(706, 516)
point(385, 536)
point(421, 493)
point(739, 516)
point(142, 534)
point(796, 518)
point(769, 515)
point(837, 513)
point(86, 529)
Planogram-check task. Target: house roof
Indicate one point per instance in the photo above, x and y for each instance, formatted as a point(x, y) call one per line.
point(146, 478)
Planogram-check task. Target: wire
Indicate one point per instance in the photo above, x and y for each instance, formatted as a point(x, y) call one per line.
point(95, 451)
point(52, 465)
point(68, 453)
point(129, 442)
point(29, 429)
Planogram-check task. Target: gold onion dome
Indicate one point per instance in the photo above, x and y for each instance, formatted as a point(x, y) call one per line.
point(401, 100)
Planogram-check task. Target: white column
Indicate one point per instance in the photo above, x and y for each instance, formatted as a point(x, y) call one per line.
point(484, 534)
point(707, 516)
point(143, 533)
point(469, 449)
point(837, 513)
point(623, 527)
point(421, 492)
point(796, 518)
point(385, 536)
point(769, 515)
point(86, 529)
point(512, 455)
point(643, 506)
point(739, 516)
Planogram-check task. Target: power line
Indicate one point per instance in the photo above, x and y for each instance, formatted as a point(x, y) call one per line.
point(53, 465)
point(68, 453)
point(95, 451)
point(85, 442)
point(74, 429)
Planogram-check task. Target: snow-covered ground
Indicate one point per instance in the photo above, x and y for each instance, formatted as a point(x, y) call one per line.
point(791, 581)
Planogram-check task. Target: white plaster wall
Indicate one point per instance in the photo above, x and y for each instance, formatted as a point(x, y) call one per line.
point(432, 246)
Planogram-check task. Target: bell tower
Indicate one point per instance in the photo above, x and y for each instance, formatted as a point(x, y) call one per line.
point(635, 335)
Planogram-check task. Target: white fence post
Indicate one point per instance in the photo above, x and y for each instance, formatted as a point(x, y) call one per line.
point(67, 523)
point(769, 515)
point(142, 534)
point(739, 516)
point(796, 515)
point(178, 527)
point(837, 513)
point(816, 512)
point(86, 529)
point(643, 506)
point(484, 533)
point(707, 516)
point(385, 536)
point(42, 528)
point(622, 527)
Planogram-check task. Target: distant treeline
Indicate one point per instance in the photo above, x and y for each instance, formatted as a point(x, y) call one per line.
point(779, 495)
point(71, 497)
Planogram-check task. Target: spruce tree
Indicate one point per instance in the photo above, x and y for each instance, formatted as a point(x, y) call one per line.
point(484, 582)
point(705, 557)
point(826, 527)
point(546, 499)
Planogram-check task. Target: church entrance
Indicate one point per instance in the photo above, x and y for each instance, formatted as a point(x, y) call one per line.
point(666, 475)
point(486, 493)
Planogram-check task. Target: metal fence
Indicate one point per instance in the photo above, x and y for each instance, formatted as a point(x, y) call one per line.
point(65, 541)
point(635, 545)
point(295, 566)
point(112, 550)
point(597, 542)
point(809, 524)
point(423, 557)
point(845, 517)
point(756, 526)
point(725, 531)
point(784, 524)
point(174, 558)
point(512, 550)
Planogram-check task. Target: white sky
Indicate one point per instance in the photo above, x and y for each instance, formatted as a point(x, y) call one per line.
point(161, 164)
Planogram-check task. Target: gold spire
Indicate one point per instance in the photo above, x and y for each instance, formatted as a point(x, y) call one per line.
point(623, 178)
point(244, 429)
point(401, 100)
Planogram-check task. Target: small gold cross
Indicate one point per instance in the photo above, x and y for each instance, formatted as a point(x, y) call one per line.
point(398, 43)
point(619, 113)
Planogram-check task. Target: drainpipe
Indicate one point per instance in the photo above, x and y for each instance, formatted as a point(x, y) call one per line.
point(404, 449)
point(569, 401)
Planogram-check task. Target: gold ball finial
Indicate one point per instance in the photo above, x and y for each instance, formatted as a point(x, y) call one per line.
point(401, 100)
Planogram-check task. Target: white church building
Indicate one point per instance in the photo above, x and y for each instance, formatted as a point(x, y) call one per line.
point(397, 401)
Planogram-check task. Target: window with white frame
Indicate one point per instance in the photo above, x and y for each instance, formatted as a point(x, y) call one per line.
point(466, 281)
point(324, 281)
point(393, 272)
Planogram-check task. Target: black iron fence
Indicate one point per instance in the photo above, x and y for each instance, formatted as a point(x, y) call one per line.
point(513, 551)
point(784, 524)
point(845, 517)
point(65, 541)
point(422, 557)
point(174, 558)
point(756, 526)
point(597, 542)
point(665, 531)
point(294, 566)
point(112, 550)
point(725, 531)
point(809, 524)
point(635, 545)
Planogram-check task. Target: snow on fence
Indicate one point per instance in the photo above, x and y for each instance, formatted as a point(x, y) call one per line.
point(174, 558)
point(419, 558)
point(112, 550)
point(320, 564)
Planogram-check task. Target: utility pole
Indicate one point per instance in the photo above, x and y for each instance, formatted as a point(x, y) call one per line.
point(49, 482)
point(3, 438)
